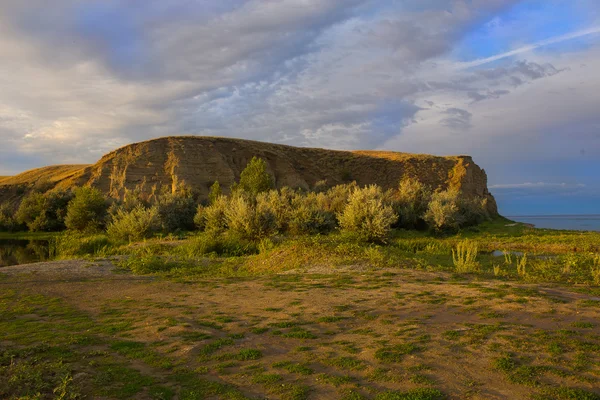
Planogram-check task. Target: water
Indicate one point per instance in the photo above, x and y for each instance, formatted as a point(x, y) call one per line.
point(15, 252)
point(570, 222)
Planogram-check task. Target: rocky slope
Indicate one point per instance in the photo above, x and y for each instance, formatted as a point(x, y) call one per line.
point(199, 161)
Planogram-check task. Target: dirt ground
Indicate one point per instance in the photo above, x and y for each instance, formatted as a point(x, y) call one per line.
point(340, 334)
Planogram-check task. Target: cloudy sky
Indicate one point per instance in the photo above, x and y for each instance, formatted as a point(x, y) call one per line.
point(515, 84)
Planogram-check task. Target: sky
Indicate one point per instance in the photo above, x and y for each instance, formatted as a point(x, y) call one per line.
point(515, 84)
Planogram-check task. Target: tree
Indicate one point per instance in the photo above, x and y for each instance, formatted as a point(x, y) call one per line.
point(87, 211)
point(215, 192)
point(44, 212)
point(254, 178)
point(7, 220)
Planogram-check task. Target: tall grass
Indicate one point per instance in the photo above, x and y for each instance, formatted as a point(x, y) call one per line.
point(522, 265)
point(464, 257)
point(69, 245)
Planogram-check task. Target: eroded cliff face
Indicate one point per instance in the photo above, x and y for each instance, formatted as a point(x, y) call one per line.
point(200, 161)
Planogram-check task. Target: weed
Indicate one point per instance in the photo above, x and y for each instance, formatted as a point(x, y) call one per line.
point(522, 265)
point(465, 257)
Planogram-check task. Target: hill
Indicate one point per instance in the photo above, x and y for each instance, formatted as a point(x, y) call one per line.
point(199, 161)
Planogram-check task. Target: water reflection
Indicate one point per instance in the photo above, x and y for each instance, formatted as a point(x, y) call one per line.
point(14, 252)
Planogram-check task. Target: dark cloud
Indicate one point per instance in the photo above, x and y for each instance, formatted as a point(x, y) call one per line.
point(457, 119)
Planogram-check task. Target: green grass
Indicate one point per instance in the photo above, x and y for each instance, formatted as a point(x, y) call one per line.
point(395, 353)
point(415, 394)
point(174, 337)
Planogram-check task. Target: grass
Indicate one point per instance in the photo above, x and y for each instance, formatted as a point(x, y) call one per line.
point(358, 324)
point(395, 353)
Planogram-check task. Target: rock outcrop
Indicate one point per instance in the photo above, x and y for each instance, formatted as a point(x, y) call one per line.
point(200, 161)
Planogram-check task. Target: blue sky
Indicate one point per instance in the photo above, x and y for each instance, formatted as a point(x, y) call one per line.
point(513, 83)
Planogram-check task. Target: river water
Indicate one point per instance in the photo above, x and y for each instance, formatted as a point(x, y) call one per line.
point(14, 252)
point(570, 222)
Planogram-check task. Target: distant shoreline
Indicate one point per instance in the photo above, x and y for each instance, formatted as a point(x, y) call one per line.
point(554, 216)
point(578, 222)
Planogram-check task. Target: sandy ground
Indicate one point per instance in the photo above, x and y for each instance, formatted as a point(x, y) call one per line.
point(459, 326)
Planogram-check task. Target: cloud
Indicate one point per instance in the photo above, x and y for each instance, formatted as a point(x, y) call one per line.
point(457, 119)
point(79, 79)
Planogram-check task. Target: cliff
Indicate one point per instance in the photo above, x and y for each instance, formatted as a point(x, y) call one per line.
point(199, 161)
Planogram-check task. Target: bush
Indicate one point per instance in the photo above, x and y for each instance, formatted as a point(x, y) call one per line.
point(138, 224)
point(7, 220)
point(308, 215)
point(215, 220)
point(254, 178)
point(367, 215)
point(336, 198)
point(176, 211)
point(250, 221)
point(200, 218)
point(44, 212)
point(279, 202)
point(444, 212)
point(474, 211)
point(87, 211)
point(410, 202)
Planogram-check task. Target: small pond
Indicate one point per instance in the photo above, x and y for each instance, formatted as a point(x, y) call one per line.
point(502, 253)
point(17, 251)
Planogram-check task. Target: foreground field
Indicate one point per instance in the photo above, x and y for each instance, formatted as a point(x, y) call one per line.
point(76, 329)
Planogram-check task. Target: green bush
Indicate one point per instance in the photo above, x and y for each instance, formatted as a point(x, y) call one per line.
point(215, 220)
point(444, 211)
point(474, 211)
point(368, 215)
point(336, 198)
point(308, 215)
point(44, 212)
point(200, 218)
point(8, 223)
point(411, 201)
point(250, 220)
point(138, 224)
point(87, 211)
point(279, 202)
point(254, 178)
point(176, 211)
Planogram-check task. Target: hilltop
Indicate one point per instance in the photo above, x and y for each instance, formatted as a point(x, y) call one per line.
point(200, 161)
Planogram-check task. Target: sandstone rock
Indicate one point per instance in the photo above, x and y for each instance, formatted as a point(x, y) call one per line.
point(199, 161)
